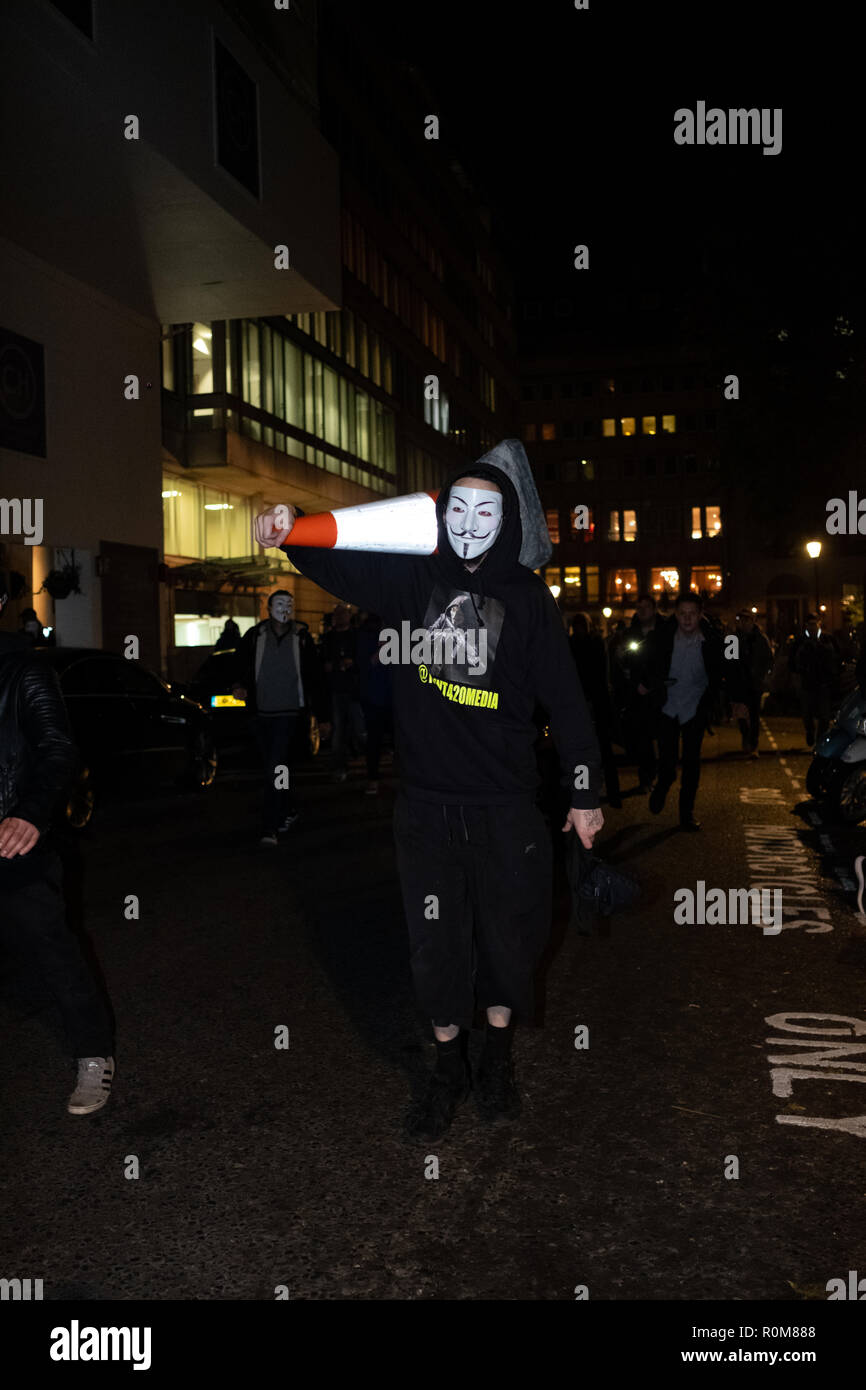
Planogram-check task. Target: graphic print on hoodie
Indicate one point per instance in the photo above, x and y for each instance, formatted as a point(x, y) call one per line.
point(468, 631)
point(463, 738)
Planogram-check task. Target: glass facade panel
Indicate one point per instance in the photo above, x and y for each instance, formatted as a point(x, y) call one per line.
point(627, 425)
point(332, 406)
point(669, 424)
point(294, 373)
point(714, 521)
point(251, 373)
point(608, 428)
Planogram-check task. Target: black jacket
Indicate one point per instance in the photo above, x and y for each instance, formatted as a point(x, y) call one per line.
point(724, 676)
point(311, 673)
point(465, 735)
point(37, 755)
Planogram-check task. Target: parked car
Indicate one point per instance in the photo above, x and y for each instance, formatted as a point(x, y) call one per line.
point(132, 730)
point(212, 689)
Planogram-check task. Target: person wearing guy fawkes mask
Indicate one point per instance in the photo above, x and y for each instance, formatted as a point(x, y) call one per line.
point(277, 672)
point(473, 851)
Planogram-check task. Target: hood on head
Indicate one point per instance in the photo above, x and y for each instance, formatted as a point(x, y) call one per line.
point(524, 538)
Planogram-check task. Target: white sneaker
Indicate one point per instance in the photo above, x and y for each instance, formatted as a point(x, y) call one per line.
point(94, 1085)
point(270, 841)
point(858, 870)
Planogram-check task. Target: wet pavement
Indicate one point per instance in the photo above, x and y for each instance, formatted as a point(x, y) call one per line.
point(262, 1167)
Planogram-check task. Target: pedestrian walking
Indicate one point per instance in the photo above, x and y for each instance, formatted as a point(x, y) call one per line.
point(755, 660)
point(590, 658)
point(639, 715)
point(343, 677)
point(818, 667)
point(473, 852)
point(376, 702)
point(277, 673)
point(688, 662)
point(37, 760)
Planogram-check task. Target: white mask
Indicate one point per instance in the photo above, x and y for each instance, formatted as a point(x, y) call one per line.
point(282, 609)
point(473, 518)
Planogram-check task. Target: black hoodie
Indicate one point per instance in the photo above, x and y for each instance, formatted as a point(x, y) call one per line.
point(465, 733)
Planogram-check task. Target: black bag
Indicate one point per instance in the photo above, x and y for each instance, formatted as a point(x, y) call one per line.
point(597, 888)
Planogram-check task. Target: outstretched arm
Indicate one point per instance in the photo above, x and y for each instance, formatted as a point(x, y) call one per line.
point(358, 577)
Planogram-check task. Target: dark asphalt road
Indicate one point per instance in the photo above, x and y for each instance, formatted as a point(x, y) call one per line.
point(261, 1167)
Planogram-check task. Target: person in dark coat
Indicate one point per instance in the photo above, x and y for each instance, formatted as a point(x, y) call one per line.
point(277, 672)
point(755, 660)
point(37, 762)
point(375, 689)
point(686, 674)
point(473, 851)
point(638, 717)
point(590, 658)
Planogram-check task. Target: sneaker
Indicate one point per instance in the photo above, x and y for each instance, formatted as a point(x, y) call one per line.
point(658, 796)
point(431, 1116)
point(689, 823)
point(94, 1085)
point(496, 1094)
point(269, 841)
point(288, 822)
point(858, 870)
point(372, 789)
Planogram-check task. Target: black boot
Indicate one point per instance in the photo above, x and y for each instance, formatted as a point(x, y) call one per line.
point(430, 1117)
point(496, 1094)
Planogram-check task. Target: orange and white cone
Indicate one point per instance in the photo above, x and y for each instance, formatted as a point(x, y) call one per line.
point(398, 525)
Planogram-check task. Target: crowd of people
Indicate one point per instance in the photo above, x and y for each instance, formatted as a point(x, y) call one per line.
point(649, 690)
point(473, 852)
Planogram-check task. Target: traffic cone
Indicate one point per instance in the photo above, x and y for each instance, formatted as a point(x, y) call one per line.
point(399, 525)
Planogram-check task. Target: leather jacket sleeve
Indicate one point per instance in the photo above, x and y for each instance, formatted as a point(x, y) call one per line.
point(51, 755)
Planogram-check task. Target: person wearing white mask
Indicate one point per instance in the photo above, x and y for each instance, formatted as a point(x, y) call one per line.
point(473, 850)
point(278, 674)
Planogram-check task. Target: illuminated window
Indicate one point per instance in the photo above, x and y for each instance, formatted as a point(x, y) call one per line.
point(665, 581)
point(551, 575)
point(648, 424)
point(629, 526)
point(697, 532)
point(706, 581)
point(573, 580)
point(548, 431)
point(529, 434)
point(587, 470)
point(669, 424)
point(168, 358)
point(552, 518)
point(613, 533)
point(714, 521)
point(202, 362)
point(592, 583)
point(608, 428)
point(622, 585)
point(627, 425)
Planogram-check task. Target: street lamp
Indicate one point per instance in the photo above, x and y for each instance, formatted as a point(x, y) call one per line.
point(813, 550)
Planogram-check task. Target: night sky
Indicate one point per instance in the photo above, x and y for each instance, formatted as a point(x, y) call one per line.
point(566, 118)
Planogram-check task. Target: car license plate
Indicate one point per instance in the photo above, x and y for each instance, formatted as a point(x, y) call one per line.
point(226, 702)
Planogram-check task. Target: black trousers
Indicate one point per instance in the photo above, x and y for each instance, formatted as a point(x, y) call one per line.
point(275, 735)
point(35, 939)
point(477, 891)
point(749, 728)
point(692, 733)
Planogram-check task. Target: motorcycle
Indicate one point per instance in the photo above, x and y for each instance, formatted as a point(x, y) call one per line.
point(837, 773)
